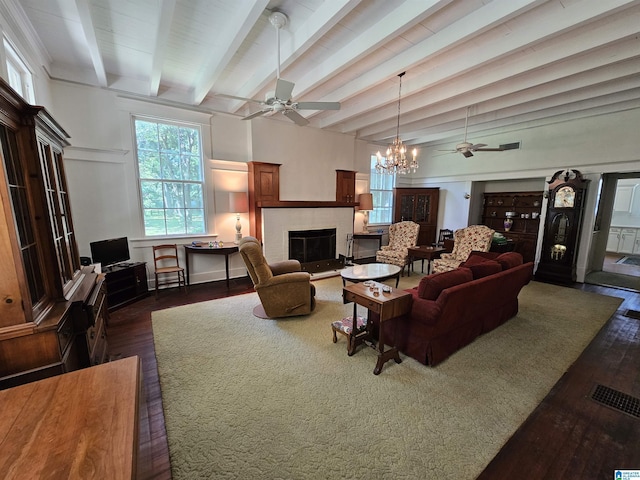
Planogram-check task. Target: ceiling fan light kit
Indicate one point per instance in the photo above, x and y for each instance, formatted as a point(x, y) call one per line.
point(395, 160)
point(279, 100)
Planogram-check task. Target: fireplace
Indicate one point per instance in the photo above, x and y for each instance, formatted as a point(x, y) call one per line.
point(308, 246)
point(279, 223)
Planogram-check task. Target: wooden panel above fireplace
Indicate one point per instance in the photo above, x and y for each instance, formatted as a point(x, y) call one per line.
point(264, 192)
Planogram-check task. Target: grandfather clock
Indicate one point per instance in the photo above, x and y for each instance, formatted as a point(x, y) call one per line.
point(562, 227)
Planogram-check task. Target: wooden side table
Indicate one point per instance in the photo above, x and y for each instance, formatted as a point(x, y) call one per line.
point(425, 253)
point(387, 305)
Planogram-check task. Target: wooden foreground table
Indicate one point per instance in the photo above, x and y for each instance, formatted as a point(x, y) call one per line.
point(80, 425)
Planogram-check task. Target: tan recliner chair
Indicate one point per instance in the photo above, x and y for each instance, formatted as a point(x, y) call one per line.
point(284, 290)
point(402, 235)
point(476, 238)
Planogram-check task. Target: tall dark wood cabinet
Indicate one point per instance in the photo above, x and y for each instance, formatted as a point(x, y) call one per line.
point(45, 295)
point(563, 222)
point(264, 186)
point(345, 186)
point(521, 211)
point(418, 205)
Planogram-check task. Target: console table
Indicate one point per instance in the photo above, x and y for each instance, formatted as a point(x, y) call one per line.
point(226, 251)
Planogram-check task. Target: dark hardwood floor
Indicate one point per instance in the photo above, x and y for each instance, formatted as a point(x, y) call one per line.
point(568, 436)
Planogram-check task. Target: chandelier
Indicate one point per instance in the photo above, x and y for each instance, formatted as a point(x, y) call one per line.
point(395, 160)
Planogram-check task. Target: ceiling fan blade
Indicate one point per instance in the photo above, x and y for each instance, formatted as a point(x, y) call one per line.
point(316, 105)
point(257, 114)
point(284, 90)
point(296, 117)
point(489, 149)
point(467, 153)
point(240, 98)
point(477, 146)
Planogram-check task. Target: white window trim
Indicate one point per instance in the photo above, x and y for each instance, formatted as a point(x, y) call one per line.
point(204, 182)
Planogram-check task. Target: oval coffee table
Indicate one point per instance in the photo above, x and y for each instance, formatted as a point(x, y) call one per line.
point(371, 271)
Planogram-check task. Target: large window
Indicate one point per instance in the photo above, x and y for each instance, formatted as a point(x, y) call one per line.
point(170, 170)
point(382, 190)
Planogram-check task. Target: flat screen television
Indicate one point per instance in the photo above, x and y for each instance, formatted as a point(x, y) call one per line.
point(111, 251)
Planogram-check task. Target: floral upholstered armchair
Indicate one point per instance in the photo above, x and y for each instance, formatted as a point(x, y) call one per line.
point(402, 235)
point(476, 238)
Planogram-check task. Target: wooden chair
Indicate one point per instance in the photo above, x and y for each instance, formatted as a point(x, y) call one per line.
point(166, 263)
point(445, 234)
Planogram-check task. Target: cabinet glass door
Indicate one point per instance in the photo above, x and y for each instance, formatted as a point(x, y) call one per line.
point(422, 208)
point(406, 208)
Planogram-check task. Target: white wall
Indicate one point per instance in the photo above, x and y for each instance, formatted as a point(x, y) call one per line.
point(103, 181)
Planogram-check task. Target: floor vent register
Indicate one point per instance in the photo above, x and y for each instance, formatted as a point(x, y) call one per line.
point(617, 400)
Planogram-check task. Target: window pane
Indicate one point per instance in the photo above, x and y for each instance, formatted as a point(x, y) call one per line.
point(382, 190)
point(152, 194)
point(171, 179)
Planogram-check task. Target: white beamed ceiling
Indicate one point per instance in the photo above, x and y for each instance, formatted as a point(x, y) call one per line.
point(515, 63)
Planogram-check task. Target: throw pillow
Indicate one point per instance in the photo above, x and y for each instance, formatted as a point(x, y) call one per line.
point(478, 257)
point(509, 260)
point(431, 285)
point(484, 269)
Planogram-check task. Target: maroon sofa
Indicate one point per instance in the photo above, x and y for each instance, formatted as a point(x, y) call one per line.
point(450, 309)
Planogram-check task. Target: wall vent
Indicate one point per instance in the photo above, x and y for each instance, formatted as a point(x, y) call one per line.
point(510, 146)
point(617, 400)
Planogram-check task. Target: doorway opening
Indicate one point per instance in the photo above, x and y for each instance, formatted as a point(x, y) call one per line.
point(616, 256)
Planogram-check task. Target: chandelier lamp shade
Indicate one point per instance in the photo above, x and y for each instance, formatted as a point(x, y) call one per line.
point(238, 203)
point(395, 160)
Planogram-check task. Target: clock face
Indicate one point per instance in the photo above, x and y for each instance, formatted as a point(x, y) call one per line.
point(565, 197)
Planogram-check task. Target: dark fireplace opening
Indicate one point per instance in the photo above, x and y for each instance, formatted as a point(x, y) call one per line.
point(308, 246)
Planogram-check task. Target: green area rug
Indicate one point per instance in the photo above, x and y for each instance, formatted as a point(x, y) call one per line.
point(246, 398)
point(616, 280)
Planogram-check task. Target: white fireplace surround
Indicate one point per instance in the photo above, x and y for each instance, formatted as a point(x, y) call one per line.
point(278, 221)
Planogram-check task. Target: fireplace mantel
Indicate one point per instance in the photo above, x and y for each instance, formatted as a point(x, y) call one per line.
point(264, 194)
point(304, 204)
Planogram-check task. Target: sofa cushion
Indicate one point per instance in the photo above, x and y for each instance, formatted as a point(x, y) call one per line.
point(484, 269)
point(431, 285)
point(476, 258)
point(509, 260)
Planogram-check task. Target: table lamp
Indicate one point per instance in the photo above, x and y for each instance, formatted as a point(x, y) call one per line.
point(238, 203)
point(365, 201)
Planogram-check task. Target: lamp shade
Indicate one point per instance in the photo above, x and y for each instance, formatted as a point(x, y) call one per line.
point(366, 201)
point(238, 202)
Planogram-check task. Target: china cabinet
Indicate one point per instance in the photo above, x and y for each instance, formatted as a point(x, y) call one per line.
point(517, 216)
point(418, 205)
point(48, 302)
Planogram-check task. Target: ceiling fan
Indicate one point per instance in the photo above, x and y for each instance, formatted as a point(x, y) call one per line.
point(466, 148)
point(279, 101)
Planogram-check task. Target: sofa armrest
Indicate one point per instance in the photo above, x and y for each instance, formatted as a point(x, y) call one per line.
point(426, 312)
point(286, 266)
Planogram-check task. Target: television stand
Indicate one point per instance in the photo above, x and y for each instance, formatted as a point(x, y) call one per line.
point(126, 283)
